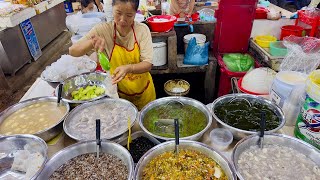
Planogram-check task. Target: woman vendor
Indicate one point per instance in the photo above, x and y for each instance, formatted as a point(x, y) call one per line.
point(182, 8)
point(128, 45)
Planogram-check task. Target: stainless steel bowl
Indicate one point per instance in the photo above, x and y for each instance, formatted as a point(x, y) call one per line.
point(85, 147)
point(184, 100)
point(276, 139)
point(185, 144)
point(73, 116)
point(239, 133)
point(45, 134)
point(75, 82)
point(10, 144)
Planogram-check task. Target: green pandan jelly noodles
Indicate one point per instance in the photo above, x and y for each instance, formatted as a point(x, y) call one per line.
point(239, 114)
point(192, 120)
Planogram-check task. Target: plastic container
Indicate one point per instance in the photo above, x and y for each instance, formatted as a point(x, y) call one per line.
point(291, 30)
point(195, 16)
point(308, 122)
point(161, 26)
point(278, 49)
point(264, 4)
point(284, 86)
point(265, 40)
point(243, 90)
point(207, 14)
point(226, 75)
point(159, 54)
point(261, 13)
point(314, 22)
point(221, 138)
point(200, 38)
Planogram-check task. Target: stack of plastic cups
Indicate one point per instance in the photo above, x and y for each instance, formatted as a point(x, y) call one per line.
point(107, 6)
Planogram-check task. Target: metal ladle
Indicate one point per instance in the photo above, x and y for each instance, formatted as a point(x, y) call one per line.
point(176, 133)
point(59, 93)
point(98, 140)
point(262, 128)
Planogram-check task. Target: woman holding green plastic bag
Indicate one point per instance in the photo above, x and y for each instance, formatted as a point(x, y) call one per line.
point(128, 47)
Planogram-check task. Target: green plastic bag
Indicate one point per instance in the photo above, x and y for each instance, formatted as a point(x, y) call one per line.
point(237, 62)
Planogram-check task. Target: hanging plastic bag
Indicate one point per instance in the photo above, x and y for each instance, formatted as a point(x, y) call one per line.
point(196, 54)
point(237, 62)
point(303, 54)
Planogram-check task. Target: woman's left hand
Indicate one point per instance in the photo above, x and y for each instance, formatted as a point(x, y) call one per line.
point(121, 72)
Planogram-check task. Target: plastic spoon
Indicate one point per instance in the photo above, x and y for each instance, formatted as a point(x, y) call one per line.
point(59, 93)
point(262, 127)
point(104, 61)
point(176, 132)
point(98, 140)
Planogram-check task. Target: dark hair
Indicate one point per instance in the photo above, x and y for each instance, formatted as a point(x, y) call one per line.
point(135, 3)
point(85, 3)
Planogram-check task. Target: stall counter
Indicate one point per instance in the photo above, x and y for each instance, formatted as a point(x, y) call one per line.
point(42, 88)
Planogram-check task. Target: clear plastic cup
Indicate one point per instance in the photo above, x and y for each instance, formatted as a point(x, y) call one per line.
point(221, 138)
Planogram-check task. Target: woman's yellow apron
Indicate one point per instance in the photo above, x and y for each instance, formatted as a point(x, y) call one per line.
point(137, 88)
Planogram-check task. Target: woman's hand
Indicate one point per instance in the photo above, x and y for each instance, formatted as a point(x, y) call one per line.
point(98, 43)
point(100, 7)
point(120, 72)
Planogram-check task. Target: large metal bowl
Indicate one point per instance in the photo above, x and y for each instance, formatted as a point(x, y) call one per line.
point(239, 133)
point(86, 147)
point(45, 134)
point(185, 144)
point(10, 144)
point(184, 100)
point(73, 116)
point(75, 82)
point(275, 139)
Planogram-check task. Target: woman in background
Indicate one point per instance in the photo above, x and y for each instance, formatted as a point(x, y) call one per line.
point(88, 6)
point(182, 8)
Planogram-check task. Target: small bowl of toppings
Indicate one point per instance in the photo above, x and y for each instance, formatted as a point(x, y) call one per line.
point(140, 144)
point(79, 161)
point(282, 157)
point(114, 115)
point(177, 87)
point(22, 156)
point(195, 161)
